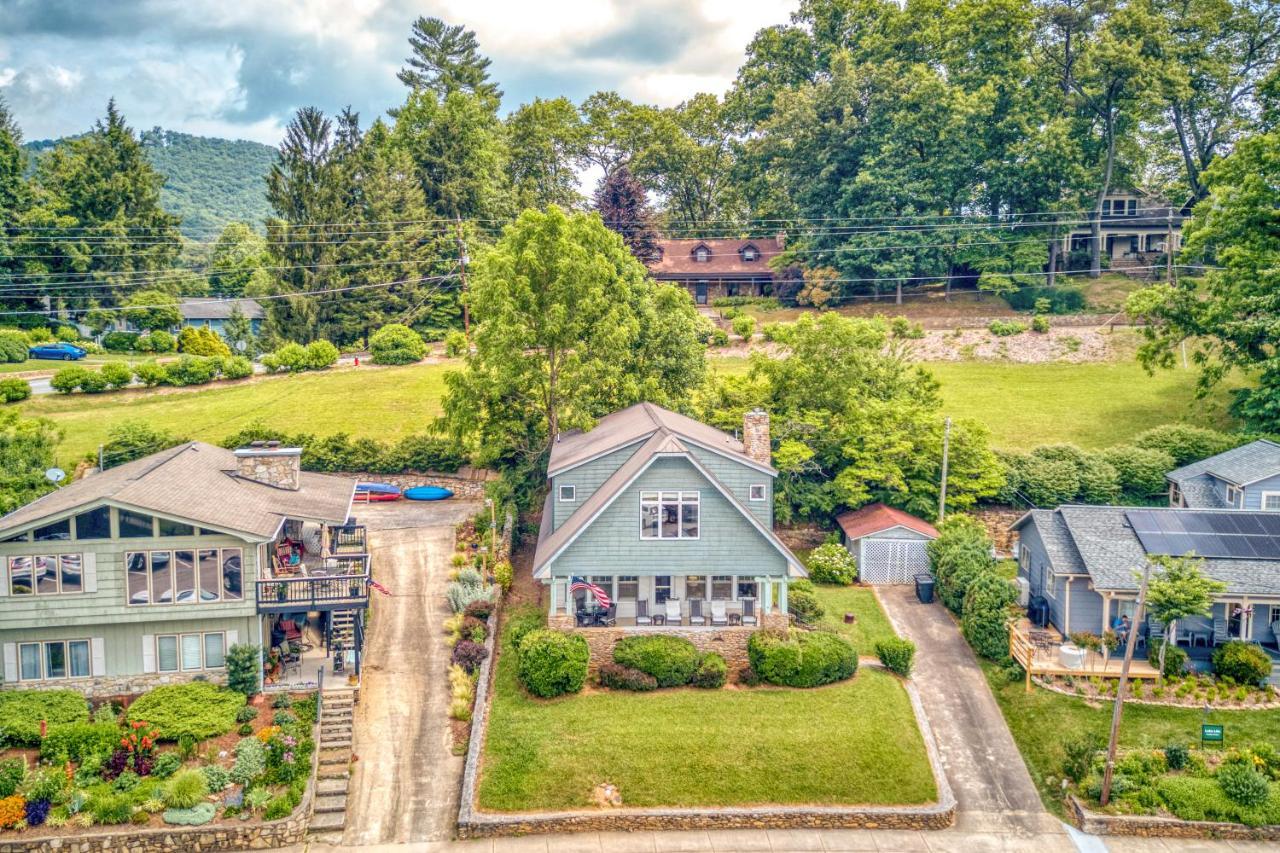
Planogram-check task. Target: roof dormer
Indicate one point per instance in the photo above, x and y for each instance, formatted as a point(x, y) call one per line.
point(749, 253)
point(701, 253)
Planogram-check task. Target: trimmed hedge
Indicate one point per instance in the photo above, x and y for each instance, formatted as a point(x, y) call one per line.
point(199, 709)
point(13, 389)
point(897, 655)
point(711, 673)
point(396, 344)
point(22, 710)
point(553, 663)
point(77, 741)
point(801, 658)
point(671, 660)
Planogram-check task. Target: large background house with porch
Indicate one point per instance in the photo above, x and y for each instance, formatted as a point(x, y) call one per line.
point(149, 572)
point(1081, 566)
point(1135, 228)
point(710, 269)
point(670, 518)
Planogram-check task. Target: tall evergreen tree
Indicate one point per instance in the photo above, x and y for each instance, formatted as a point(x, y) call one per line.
point(447, 59)
point(623, 205)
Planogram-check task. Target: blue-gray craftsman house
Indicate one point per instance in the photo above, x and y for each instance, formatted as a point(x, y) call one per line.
point(654, 519)
point(1245, 477)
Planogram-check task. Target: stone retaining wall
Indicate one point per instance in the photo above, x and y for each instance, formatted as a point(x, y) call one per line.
point(1144, 826)
point(997, 519)
point(467, 483)
point(104, 686)
point(729, 643)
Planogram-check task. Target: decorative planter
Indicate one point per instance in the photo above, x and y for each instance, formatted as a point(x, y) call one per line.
point(1071, 656)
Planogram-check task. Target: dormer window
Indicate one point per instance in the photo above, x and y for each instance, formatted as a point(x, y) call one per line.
point(750, 253)
point(701, 255)
point(1233, 496)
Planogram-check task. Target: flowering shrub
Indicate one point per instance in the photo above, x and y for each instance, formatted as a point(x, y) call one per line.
point(36, 811)
point(12, 810)
point(468, 655)
point(139, 743)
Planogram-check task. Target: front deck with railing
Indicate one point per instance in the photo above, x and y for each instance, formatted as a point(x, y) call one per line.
point(326, 568)
point(1044, 651)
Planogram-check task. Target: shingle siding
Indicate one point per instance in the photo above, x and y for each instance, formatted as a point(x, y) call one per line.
point(728, 543)
point(585, 479)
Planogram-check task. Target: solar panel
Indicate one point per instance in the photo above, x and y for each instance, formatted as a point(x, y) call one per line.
point(1216, 535)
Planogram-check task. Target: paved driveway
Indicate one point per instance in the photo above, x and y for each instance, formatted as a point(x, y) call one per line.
point(994, 791)
point(406, 781)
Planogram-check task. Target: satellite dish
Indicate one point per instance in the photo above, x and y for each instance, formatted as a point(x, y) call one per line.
point(241, 346)
point(55, 475)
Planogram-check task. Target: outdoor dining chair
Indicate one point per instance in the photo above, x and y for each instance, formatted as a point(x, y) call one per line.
point(1219, 631)
point(673, 613)
point(749, 611)
point(642, 612)
point(1157, 631)
point(695, 612)
point(719, 614)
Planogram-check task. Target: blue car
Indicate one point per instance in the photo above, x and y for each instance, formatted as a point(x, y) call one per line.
point(57, 352)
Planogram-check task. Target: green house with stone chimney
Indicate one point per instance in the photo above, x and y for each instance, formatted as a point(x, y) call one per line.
point(148, 573)
point(654, 520)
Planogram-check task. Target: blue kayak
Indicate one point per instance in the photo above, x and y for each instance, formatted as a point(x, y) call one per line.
point(428, 493)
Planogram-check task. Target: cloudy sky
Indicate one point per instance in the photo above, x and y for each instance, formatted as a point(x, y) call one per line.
point(238, 68)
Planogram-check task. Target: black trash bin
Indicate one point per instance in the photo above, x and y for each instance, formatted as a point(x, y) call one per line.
point(1038, 611)
point(924, 588)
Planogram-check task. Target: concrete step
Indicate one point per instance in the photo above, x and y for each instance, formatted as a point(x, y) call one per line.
point(335, 757)
point(334, 772)
point(331, 803)
point(325, 787)
point(335, 727)
point(327, 822)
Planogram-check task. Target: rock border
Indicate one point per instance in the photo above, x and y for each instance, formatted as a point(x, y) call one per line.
point(285, 832)
point(1130, 699)
point(474, 823)
point(1150, 826)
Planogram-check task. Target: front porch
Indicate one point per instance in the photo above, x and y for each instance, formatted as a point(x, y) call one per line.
point(666, 601)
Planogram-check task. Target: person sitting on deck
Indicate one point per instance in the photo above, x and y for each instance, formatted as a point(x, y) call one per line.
point(1122, 626)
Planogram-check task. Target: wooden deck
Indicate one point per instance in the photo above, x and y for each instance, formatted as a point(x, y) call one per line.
point(1038, 650)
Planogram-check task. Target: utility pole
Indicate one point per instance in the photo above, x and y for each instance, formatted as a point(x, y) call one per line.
point(462, 267)
point(946, 448)
point(1168, 246)
point(1123, 687)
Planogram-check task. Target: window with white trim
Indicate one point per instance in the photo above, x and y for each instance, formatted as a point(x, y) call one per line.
point(191, 652)
point(187, 576)
point(1049, 583)
point(568, 494)
point(46, 574)
point(749, 254)
point(721, 587)
point(628, 587)
point(669, 515)
point(1270, 502)
point(757, 492)
point(1024, 558)
point(1274, 615)
point(1233, 496)
point(54, 660)
point(701, 255)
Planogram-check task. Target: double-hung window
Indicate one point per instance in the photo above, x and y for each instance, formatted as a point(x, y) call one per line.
point(1270, 502)
point(721, 587)
point(669, 515)
point(1233, 496)
point(188, 652)
point(628, 587)
point(53, 660)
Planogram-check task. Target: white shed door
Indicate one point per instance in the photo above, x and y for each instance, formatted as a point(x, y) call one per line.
point(889, 561)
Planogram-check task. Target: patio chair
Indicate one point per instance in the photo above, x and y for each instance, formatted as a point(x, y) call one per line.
point(608, 617)
point(1275, 632)
point(642, 612)
point(1156, 631)
point(673, 613)
point(749, 611)
point(1219, 631)
point(719, 615)
point(291, 629)
point(695, 612)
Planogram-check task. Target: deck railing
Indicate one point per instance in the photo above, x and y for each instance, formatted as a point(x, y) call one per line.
point(347, 539)
point(317, 592)
point(1041, 658)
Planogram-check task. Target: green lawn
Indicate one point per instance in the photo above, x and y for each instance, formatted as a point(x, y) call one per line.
point(849, 743)
point(1042, 720)
point(378, 402)
point(870, 625)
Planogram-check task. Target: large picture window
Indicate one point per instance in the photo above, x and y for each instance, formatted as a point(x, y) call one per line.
point(184, 577)
point(668, 515)
point(51, 574)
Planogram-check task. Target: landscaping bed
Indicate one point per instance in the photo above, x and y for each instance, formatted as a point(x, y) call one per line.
point(687, 747)
point(179, 756)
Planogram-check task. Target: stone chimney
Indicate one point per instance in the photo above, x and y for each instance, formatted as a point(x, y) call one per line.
point(268, 463)
point(755, 436)
point(781, 237)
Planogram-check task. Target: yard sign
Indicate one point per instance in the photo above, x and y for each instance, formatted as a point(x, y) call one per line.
point(1211, 733)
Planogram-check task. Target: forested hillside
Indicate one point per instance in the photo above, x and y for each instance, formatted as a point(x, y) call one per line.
point(210, 181)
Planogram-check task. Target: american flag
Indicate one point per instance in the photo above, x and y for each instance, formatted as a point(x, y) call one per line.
point(379, 587)
point(576, 584)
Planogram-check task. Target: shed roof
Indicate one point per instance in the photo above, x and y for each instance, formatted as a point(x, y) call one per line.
point(878, 517)
point(209, 308)
point(676, 258)
point(197, 482)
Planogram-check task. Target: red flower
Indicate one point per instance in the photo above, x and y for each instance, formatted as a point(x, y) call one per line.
point(124, 741)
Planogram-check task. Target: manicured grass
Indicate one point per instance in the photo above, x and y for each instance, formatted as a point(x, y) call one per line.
point(377, 402)
point(849, 743)
point(1042, 720)
point(49, 366)
point(870, 625)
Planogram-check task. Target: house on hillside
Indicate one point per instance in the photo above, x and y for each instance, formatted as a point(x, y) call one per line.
point(213, 313)
point(1081, 566)
point(1136, 227)
point(715, 268)
point(148, 573)
point(1245, 477)
point(654, 519)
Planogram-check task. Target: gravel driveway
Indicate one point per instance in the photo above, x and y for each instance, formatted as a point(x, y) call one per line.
point(405, 786)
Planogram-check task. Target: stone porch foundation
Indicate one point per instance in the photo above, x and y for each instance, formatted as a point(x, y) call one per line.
point(728, 642)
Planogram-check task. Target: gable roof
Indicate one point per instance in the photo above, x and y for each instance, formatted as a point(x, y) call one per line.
point(878, 517)
point(1240, 466)
point(210, 308)
point(676, 258)
point(658, 445)
point(1109, 550)
point(636, 423)
point(197, 482)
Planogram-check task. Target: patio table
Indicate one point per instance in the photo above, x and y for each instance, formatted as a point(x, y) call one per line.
point(735, 618)
point(659, 619)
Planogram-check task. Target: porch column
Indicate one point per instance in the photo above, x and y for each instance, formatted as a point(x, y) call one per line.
point(766, 595)
point(782, 596)
point(1066, 616)
point(1244, 619)
point(553, 586)
point(1106, 611)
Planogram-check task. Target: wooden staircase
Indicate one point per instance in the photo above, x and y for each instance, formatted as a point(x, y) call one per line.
point(329, 814)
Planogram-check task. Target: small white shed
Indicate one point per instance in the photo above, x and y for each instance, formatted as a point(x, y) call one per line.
point(889, 544)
